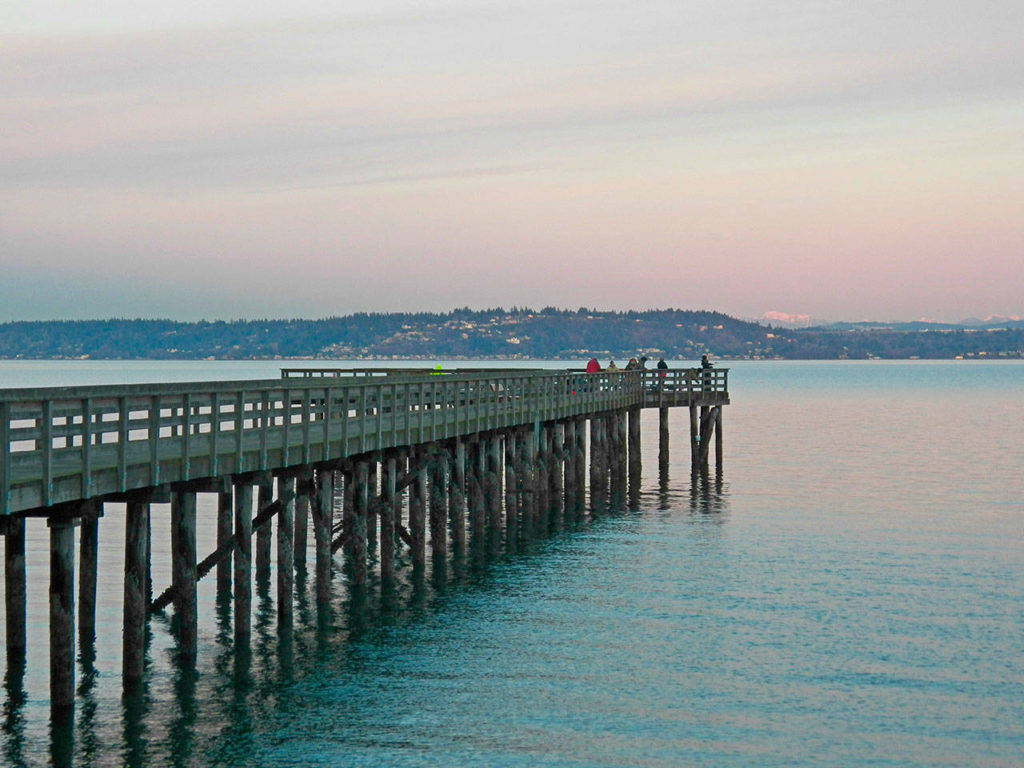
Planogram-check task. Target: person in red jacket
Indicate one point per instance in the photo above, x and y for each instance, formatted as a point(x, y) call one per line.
point(593, 366)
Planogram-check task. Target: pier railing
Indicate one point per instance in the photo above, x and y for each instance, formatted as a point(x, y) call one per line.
point(342, 373)
point(64, 444)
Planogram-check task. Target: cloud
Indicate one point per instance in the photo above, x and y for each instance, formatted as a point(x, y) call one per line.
point(774, 141)
point(348, 102)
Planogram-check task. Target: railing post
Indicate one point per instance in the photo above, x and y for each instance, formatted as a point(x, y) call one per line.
point(46, 428)
point(86, 406)
point(153, 433)
point(5, 458)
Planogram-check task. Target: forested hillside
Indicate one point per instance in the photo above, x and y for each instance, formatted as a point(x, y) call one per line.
point(494, 333)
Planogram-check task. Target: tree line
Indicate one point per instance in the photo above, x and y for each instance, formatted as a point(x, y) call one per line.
point(517, 332)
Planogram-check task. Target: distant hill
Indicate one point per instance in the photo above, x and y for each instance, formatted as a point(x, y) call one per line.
point(498, 333)
point(923, 325)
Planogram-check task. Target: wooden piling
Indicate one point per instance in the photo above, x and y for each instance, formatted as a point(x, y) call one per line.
point(663, 441)
point(494, 484)
point(512, 490)
point(88, 555)
point(598, 462)
point(694, 440)
point(14, 591)
point(242, 565)
point(264, 498)
point(476, 473)
point(417, 512)
point(62, 618)
point(620, 442)
point(133, 632)
point(705, 433)
point(719, 441)
point(337, 508)
point(439, 507)
point(635, 458)
point(183, 572)
point(372, 477)
point(581, 463)
point(556, 472)
point(323, 520)
point(149, 555)
point(225, 515)
point(388, 516)
point(457, 498)
point(611, 451)
point(361, 498)
point(528, 480)
point(569, 464)
point(348, 518)
point(302, 491)
point(285, 553)
point(540, 482)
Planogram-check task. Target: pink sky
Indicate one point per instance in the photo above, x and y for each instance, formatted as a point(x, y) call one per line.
point(833, 159)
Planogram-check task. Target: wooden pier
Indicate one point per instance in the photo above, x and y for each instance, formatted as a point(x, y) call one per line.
point(409, 457)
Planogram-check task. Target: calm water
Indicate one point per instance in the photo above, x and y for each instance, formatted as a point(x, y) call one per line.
point(851, 593)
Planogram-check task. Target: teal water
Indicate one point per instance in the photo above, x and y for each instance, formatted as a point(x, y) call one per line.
point(850, 592)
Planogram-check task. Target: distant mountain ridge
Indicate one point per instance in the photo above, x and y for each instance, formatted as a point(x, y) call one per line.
point(923, 325)
point(515, 333)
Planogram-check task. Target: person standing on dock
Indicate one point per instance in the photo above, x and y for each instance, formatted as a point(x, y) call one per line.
point(705, 373)
point(662, 367)
point(593, 366)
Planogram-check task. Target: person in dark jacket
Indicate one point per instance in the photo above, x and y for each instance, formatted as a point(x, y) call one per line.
point(662, 367)
point(705, 373)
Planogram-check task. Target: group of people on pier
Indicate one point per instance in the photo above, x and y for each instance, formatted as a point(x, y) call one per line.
point(634, 364)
